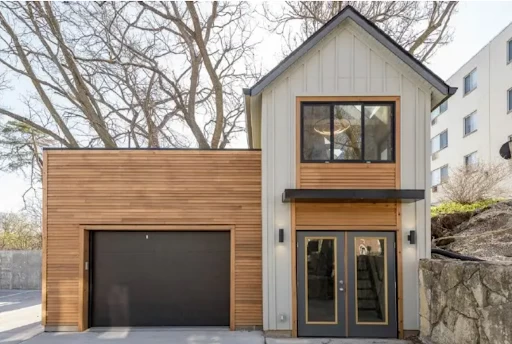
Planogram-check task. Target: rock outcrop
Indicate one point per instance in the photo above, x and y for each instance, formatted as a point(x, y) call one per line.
point(465, 302)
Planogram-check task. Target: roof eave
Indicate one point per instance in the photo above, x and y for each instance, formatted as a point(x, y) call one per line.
point(373, 30)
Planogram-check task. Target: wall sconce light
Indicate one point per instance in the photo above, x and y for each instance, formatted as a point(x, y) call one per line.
point(281, 235)
point(412, 237)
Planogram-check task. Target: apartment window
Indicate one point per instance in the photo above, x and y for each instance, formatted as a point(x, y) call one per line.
point(439, 175)
point(470, 159)
point(439, 110)
point(470, 124)
point(509, 51)
point(509, 100)
point(347, 132)
point(440, 141)
point(470, 82)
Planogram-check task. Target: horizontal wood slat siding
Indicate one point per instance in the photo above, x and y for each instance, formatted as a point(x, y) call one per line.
point(345, 214)
point(347, 176)
point(153, 187)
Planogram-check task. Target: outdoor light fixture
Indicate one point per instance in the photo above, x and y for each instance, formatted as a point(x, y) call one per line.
point(412, 237)
point(281, 235)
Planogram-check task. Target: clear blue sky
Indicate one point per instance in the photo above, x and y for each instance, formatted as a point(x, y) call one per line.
point(476, 23)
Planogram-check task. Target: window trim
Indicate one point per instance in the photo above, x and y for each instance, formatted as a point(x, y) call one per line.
point(465, 156)
point(464, 83)
point(331, 117)
point(464, 134)
point(440, 149)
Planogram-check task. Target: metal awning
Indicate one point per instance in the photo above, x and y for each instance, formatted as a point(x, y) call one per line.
point(361, 195)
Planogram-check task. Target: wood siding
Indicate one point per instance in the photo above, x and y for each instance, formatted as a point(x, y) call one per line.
point(347, 176)
point(149, 187)
point(357, 215)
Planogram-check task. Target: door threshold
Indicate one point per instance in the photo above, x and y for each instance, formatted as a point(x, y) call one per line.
point(159, 328)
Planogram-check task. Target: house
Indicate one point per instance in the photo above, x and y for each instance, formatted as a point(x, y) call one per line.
point(316, 231)
point(477, 121)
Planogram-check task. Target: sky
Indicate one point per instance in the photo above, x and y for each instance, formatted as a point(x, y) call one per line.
point(475, 24)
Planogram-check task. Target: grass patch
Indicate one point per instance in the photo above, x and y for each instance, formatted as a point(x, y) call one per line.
point(453, 207)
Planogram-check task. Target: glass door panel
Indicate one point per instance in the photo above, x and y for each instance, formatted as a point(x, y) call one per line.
point(372, 290)
point(320, 291)
point(320, 269)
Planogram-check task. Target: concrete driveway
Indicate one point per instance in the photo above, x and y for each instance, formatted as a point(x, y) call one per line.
point(20, 315)
point(20, 318)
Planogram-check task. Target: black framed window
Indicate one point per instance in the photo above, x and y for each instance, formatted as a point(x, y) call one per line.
point(348, 132)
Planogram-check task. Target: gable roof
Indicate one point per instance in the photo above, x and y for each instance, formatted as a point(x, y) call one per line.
point(350, 12)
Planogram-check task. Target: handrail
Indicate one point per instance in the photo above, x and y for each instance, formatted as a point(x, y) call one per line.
point(455, 255)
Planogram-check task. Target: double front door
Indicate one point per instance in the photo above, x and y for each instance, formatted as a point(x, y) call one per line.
point(346, 284)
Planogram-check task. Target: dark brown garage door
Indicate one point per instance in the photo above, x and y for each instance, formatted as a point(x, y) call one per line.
point(160, 278)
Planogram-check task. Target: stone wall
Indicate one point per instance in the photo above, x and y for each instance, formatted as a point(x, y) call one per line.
point(465, 302)
point(20, 270)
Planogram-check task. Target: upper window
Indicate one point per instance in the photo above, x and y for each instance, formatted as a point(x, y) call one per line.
point(470, 159)
point(347, 131)
point(509, 51)
point(470, 124)
point(439, 110)
point(470, 82)
point(440, 141)
point(509, 100)
point(440, 175)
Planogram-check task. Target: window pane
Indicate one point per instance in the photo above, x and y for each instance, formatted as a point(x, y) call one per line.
point(371, 280)
point(435, 144)
point(469, 124)
point(473, 80)
point(321, 280)
point(467, 84)
point(436, 177)
point(443, 107)
point(510, 100)
point(443, 138)
point(316, 133)
point(347, 132)
point(378, 133)
point(509, 50)
point(444, 173)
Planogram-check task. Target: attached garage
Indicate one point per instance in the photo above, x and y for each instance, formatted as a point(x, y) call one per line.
point(146, 278)
point(151, 238)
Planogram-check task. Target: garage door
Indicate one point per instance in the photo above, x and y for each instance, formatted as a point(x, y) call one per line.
point(160, 278)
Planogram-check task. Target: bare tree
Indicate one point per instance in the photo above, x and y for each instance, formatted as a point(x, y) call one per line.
point(159, 74)
point(421, 27)
point(477, 182)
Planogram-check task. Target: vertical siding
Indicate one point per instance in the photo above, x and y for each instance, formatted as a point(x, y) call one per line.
point(151, 188)
point(346, 63)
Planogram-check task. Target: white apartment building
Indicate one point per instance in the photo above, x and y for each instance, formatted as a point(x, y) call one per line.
point(476, 121)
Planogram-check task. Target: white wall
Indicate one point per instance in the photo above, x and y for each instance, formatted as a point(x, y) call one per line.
point(489, 99)
point(347, 62)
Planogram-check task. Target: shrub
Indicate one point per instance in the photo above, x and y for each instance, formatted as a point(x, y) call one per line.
point(454, 207)
point(477, 182)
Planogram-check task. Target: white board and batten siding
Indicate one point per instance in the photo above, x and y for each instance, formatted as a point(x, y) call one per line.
point(347, 62)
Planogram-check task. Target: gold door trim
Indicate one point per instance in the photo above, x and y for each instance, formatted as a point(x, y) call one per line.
point(306, 283)
point(386, 322)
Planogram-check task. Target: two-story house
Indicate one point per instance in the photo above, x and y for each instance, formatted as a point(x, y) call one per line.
point(316, 231)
